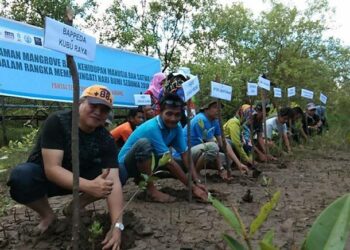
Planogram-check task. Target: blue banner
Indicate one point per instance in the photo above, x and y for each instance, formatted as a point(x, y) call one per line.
point(29, 70)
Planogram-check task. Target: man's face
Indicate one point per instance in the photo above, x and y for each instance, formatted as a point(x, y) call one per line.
point(137, 119)
point(92, 116)
point(212, 112)
point(283, 119)
point(311, 112)
point(171, 116)
point(148, 111)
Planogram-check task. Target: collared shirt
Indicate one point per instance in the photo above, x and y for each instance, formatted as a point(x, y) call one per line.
point(160, 137)
point(202, 129)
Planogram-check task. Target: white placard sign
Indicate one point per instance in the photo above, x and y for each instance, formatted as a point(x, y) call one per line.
point(190, 87)
point(66, 39)
point(142, 99)
point(291, 92)
point(323, 98)
point(277, 92)
point(252, 89)
point(221, 91)
point(307, 93)
point(264, 83)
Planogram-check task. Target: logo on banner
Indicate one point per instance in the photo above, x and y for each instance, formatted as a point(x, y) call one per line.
point(19, 38)
point(27, 39)
point(38, 41)
point(9, 35)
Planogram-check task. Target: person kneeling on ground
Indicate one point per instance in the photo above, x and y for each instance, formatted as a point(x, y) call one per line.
point(48, 171)
point(277, 125)
point(206, 141)
point(155, 137)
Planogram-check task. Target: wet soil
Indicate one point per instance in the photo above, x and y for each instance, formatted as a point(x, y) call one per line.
point(309, 180)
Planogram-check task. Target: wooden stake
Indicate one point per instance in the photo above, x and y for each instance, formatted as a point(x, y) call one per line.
point(3, 110)
point(251, 130)
point(263, 102)
point(75, 140)
point(189, 153)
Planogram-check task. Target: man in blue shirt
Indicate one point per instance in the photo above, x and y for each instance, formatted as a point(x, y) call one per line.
point(204, 128)
point(155, 137)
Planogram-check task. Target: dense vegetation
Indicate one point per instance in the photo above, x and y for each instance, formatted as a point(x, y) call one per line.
point(227, 42)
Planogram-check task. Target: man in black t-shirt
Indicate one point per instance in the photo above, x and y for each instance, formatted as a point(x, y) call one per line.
point(48, 170)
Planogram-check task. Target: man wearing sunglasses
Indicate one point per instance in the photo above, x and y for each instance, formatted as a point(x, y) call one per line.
point(154, 137)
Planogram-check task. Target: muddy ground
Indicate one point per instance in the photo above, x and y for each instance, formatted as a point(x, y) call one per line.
point(309, 181)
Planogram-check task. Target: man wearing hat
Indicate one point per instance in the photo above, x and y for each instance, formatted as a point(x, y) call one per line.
point(312, 122)
point(206, 140)
point(48, 170)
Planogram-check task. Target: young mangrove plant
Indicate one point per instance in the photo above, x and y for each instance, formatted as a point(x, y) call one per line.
point(234, 220)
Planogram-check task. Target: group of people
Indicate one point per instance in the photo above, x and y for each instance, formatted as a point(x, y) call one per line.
point(151, 135)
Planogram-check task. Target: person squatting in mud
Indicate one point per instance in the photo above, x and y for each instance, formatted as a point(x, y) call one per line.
point(48, 170)
point(155, 136)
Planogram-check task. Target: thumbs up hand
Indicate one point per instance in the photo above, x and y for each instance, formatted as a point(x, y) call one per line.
point(100, 186)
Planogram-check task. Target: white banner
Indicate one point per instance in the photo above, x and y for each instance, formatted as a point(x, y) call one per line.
point(323, 98)
point(252, 89)
point(307, 94)
point(190, 87)
point(291, 91)
point(68, 40)
point(264, 83)
point(277, 92)
point(141, 100)
point(221, 91)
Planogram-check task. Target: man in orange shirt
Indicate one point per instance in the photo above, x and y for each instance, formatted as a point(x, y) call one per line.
point(124, 130)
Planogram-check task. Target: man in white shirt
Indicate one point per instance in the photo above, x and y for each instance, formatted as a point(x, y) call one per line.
point(277, 125)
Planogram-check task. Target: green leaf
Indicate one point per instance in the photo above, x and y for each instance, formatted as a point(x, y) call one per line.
point(267, 242)
point(142, 185)
point(264, 212)
point(145, 177)
point(166, 158)
point(233, 244)
point(331, 228)
point(227, 213)
point(266, 246)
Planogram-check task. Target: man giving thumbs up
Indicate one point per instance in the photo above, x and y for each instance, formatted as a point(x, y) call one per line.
point(48, 171)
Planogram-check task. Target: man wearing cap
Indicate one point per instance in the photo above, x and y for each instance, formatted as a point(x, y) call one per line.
point(48, 170)
point(312, 123)
point(152, 140)
point(205, 129)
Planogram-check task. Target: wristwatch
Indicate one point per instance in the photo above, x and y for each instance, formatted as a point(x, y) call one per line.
point(120, 226)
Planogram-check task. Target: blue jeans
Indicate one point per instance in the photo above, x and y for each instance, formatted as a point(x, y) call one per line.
point(28, 183)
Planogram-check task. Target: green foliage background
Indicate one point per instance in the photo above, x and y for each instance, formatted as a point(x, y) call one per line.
point(226, 43)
